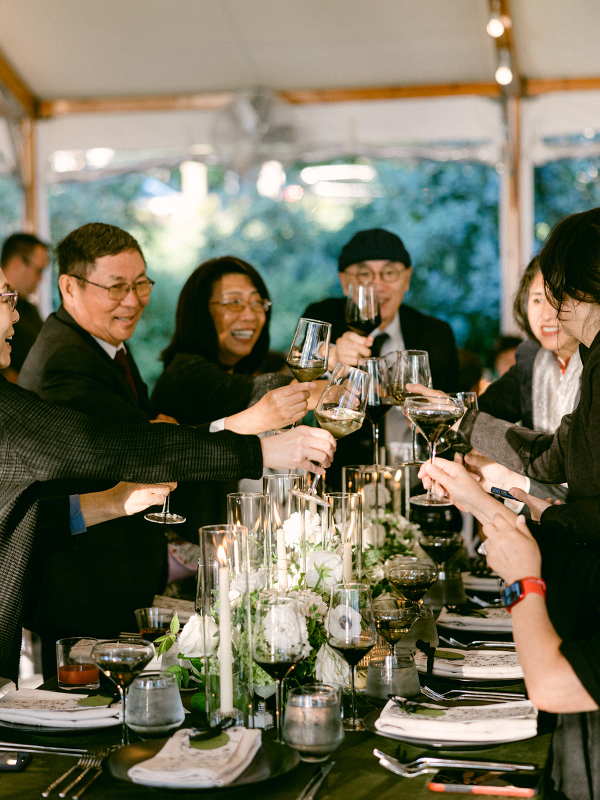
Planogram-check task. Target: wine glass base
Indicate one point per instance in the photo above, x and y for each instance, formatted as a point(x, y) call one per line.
point(353, 724)
point(165, 518)
point(426, 500)
point(414, 462)
point(310, 498)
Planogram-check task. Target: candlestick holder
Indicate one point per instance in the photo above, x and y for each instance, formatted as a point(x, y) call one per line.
point(294, 527)
point(344, 531)
point(223, 603)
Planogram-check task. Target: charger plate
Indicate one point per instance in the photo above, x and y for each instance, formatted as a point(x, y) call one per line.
point(433, 744)
point(47, 730)
point(271, 761)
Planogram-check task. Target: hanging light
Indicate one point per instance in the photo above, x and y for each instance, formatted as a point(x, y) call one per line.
point(495, 26)
point(504, 73)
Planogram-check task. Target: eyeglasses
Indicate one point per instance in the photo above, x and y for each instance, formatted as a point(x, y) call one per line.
point(366, 275)
point(11, 298)
point(120, 291)
point(237, 306)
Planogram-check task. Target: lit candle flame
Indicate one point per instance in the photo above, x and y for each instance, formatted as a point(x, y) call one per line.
point(222, 555)
point(277, 517)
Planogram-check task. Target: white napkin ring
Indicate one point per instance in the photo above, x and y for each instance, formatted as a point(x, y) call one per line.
point(482, 549)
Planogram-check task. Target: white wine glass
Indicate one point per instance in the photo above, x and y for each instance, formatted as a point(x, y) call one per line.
point(309, 354)
point(341, 411)
point(412, 366)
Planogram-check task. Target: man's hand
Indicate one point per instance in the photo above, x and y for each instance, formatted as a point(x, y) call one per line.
point(512, 551)
point(130, 498)
point(301, 448)
point(488, 473)
point(349, 348)
point(165, 418)
point(537, 506)
point(276, 409)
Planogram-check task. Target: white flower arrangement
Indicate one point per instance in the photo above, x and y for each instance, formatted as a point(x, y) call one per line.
point(293, 529)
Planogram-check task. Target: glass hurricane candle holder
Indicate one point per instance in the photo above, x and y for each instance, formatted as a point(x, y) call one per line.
point(223, 603)
point(249, 510)
point(345, 530)
point(382, 490)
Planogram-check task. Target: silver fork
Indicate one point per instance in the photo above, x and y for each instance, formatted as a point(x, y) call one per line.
point(96, 764)
point(425, 765)
point(477, 644)
point(466, 694)
point(83, 762)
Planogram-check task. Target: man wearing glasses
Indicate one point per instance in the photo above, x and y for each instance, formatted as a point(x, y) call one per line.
point(23, 261)
point(380, 257)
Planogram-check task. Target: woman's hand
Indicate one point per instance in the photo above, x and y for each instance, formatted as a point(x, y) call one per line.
point(425, 391)
point(349, 348)
point(276, 409)
point(537, 506)
point(488, 473)
point(512, 551)
point(122, 500)
point(300, 448)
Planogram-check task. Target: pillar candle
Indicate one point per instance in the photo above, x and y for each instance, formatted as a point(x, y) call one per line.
point(225, 652)
point(281, 559)
point(347, 562)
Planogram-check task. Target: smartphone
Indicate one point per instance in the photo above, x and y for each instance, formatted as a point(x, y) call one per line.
point(481, 781)
point(503, 493)
point(14, 762)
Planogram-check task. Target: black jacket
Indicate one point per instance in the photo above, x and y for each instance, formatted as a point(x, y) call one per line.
point(510, 397)
point(116, 566)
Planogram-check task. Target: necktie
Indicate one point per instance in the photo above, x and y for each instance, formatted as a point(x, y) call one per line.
point(380, 340)
point(122, 361)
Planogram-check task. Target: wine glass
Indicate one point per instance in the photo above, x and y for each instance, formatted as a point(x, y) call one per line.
point(340, 410)
point(452, 438)
point(394, 623)
point(122, 660)
point(379, 400)
point(280, 640)
point(433, 416)
point(412, 366)
point(165, 517)
point(412, 580)
point(309, 354)
point(363, 310)
point(351, 632)
point(440, 547)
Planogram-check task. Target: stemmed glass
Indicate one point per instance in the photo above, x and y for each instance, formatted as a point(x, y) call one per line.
point(279, 642)
point(433, 416)
point(379, 400)
point(412, 580)
point(363, 310)
point(122, 660)
point(453, 438)
point(412, 366)
point(351, 632)
point(309, 354)
point(440, 547)
point(393, 624)
point(340, 410)
point(165, 517)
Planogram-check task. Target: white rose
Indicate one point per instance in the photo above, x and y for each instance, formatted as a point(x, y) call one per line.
point(293, 529)
point(385, 601)
point(343, 623)
point(374, 573)
point(285, 628)
point(374, 535)
point(330, 564)
point(308, 600)
point(257, 579)
point(371, 498)
point(195, 633)
point(331, 668)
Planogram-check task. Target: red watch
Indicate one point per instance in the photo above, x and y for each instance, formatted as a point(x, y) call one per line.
point(513, 594)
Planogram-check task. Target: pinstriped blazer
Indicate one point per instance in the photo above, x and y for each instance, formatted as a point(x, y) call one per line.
point(40, 442)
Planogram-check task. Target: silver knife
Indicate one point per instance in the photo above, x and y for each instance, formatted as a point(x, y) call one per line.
point(313, 786)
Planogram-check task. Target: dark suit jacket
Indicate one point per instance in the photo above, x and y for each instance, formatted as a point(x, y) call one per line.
point(42, 442)
point(117, 566)
point(420, 332)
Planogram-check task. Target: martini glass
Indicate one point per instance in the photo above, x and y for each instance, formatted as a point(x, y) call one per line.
point(122, 660)
point(412, 580)
point(341, 411)
point(165, 517)
point(393, 624)
point(433, 416)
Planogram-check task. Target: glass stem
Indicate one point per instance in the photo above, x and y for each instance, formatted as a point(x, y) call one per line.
point(125, 734)
point(376, 442)
point(354, 714)
point(414, 441)
point(313, 486)
point(432, 457)
point(278, 705)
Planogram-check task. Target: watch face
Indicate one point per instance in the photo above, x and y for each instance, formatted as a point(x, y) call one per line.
point(510, 594)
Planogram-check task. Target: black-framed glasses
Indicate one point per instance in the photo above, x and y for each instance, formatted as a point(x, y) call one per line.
point(11, 298)
point(119, 291)
point(389, 274)
point(237, 306)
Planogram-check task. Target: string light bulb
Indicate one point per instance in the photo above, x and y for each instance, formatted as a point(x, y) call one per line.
point(504, 73)
point(495, 26)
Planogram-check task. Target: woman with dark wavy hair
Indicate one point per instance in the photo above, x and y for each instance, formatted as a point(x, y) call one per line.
point(221, 340)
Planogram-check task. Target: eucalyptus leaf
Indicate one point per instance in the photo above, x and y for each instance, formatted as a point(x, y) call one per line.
point(212, 744)
point(429, 712)
point(198, 701)
point(95, 700)
point(449, 654)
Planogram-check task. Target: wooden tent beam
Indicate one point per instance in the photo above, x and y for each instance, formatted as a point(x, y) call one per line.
point(18, 88)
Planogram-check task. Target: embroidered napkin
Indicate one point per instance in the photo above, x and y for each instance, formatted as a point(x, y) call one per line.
point(492, 664)
point(180, 765)
point(477, 584)
point(487, 619)
point(490, 723)
point(184, 608)
point(55, 709)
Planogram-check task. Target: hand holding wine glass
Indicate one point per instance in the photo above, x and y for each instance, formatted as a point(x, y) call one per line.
point(309, 353)
point(412, 366)
point(363, 310)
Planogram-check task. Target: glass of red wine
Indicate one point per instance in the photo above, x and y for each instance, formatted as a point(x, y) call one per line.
point(351, 632)
point(412, 580)
point(379, 399)
point(280, 641)
point(363, 311)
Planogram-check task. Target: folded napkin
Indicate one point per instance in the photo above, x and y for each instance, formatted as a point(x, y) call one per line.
point(492, 664)
point(179, 764)
point(55, 710)
point(477, 584)
point(495, 722)
point(495, 619)
point(184, 608)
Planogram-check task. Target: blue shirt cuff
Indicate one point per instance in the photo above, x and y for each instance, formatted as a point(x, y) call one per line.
point(77, 521)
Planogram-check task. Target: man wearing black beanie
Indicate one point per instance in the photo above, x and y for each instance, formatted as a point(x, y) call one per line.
point(380, 257)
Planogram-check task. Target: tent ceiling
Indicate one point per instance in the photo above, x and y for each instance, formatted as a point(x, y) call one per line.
point(69, 48)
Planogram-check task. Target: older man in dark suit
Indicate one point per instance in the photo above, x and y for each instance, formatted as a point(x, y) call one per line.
point(80, 361)
point(380, 257)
